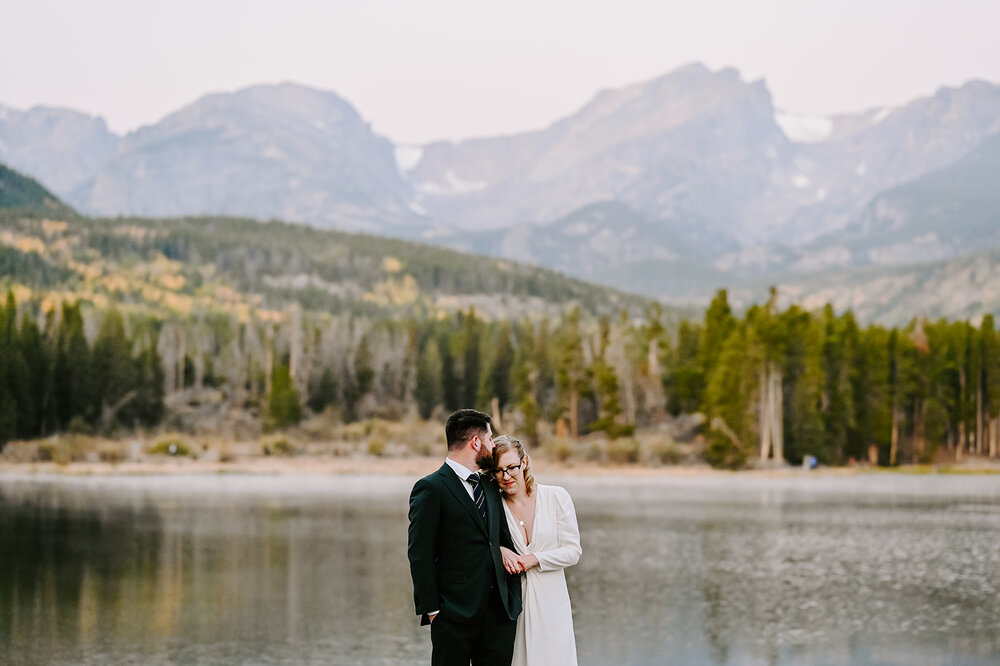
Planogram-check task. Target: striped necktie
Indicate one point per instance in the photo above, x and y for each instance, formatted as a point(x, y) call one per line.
point(478, 494)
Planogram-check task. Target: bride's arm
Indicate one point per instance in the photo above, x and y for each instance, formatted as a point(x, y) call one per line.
point(568, 536)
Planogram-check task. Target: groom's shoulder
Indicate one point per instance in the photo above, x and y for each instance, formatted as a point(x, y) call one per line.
point(432, 479)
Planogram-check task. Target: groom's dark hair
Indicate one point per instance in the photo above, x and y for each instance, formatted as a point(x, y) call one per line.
point(463, 424)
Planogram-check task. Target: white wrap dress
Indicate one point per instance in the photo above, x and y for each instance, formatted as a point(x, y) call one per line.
point(545, 626)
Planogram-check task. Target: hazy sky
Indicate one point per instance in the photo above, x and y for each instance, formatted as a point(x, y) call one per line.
point(427, 69)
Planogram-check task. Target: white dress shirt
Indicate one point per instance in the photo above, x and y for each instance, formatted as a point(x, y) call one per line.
point(463, 473)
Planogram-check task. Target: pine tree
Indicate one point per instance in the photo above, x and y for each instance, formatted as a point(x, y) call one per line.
point(839, 344)
point(544, 357)
point(683, 379)
point(325, 394)
point(652, 346)
point(147, 407)
point(918, 390)
point(901, 354)
point(991, 383)
point(524, 377)
point(857, 388)
point(732, 428)
point(497, 382)
point(37, 372)
point(719, 324)
point(607, 389)
point(364, 371)
point(571, 378)
point(283, 406)
point(469, 343)
point(451, 389)
point(800, 342)
point(73, 375)
point(429, 392)
point(11, 375)
point(873, 393)
point(114, 376)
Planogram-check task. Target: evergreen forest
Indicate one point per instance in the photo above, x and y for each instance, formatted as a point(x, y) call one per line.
point(233, 326)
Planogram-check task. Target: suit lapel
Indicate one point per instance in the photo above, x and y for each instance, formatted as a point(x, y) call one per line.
point(457, 488)
point(492, 506)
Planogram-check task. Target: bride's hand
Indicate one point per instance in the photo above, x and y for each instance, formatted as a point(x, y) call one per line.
point(527, 561)
point(511, 562)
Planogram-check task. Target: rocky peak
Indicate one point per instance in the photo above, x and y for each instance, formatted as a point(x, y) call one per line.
point(62, 148)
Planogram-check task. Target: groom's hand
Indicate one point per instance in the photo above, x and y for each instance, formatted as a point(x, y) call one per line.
point(511, 562)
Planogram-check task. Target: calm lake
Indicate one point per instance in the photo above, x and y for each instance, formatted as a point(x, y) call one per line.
point(871, 569)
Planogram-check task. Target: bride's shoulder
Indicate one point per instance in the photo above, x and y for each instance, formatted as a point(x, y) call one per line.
point(553, 491)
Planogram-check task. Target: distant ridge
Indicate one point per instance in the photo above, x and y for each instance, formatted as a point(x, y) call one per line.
point(241, 266)
point(20, 191)
point(671, 187)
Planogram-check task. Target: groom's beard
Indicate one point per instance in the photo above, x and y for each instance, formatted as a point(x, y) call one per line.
point(484, 459)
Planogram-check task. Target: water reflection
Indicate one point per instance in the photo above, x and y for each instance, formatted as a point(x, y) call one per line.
point(277, 570)
point(148, 575)
point(835, 573)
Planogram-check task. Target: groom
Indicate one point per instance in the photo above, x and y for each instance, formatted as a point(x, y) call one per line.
point(457, 526)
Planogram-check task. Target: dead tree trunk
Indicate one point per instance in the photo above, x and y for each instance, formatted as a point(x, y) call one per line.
point(574, 400)
point(894, 437)
point(765, 413)
point(109, 412)
point(778, 414)
point(495, 406)
point(980, 424)
point(994, 436)
point(960, 444)
point(771, 429)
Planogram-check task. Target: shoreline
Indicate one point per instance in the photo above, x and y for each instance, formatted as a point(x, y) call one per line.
point(416, 467)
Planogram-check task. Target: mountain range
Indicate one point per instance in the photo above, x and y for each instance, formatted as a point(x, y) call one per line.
point(670, 188)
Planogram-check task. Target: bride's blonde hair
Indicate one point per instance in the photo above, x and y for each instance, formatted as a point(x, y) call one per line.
point(505, 443)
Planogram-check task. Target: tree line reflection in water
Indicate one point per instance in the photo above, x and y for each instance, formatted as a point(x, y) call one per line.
point(184, 578)
point(248, 570)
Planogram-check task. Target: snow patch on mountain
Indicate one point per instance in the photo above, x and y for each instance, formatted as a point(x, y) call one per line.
point(801, 128)
point(757, 256)
point(578, 229)
point(816, 260)
point(408, 157)
point(452, 185)
point(881, 115)
point(923, 248)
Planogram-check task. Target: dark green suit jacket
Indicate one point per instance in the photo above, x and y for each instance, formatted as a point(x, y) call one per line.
point(454, 558)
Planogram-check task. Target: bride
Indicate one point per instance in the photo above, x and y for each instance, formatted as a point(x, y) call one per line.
point(543, 526)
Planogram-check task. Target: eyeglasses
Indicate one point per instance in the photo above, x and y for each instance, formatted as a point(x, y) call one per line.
point(509, 471)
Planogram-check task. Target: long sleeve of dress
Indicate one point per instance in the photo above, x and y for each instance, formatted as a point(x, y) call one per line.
point(568, 532)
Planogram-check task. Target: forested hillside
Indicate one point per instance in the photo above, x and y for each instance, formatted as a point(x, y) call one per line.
point(109, 321)
point(184, 265)
point(19, 191)
point(233, 327)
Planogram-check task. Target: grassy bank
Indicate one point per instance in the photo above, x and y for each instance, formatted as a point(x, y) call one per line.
point(385, 447)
